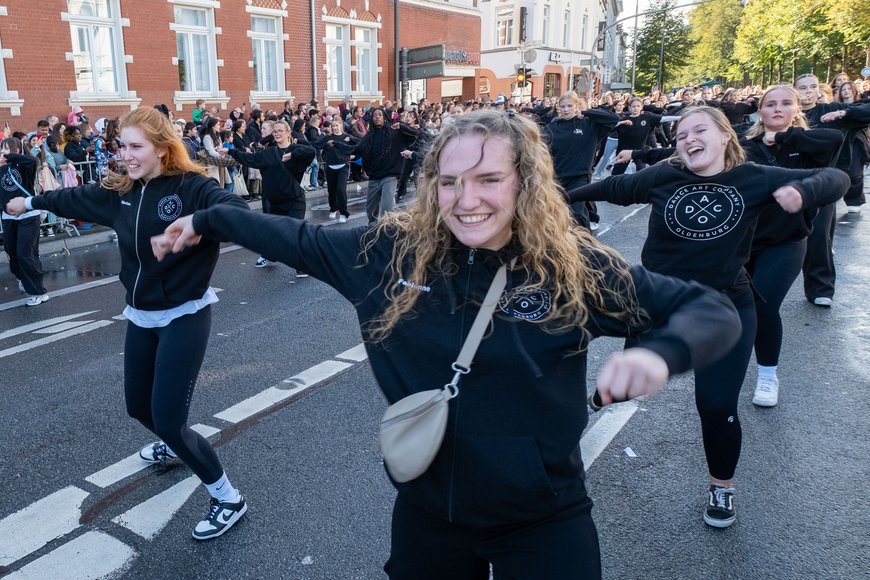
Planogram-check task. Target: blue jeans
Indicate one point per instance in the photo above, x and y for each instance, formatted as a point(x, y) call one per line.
point(609, 149)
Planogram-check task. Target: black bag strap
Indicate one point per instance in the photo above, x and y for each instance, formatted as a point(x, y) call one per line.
point(765, 150)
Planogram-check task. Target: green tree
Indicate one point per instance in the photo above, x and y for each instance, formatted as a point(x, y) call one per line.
point(713, 32)
point(663, 47)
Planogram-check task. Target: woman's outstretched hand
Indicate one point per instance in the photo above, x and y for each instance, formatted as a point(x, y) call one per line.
point(179, 235)
point(631, 373)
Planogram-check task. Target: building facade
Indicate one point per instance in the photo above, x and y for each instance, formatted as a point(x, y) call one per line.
point(564, 44)
point(111, 56)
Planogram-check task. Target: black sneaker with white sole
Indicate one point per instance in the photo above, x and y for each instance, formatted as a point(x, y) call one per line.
point(156, 452)
point(720, 512)
point(221, 517)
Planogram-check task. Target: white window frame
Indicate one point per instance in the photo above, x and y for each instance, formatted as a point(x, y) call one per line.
point(584, 32)
point(504, 26)
point(350, 86)
point(122, 94)
point(212, 93)
point(277, 38)
point(342, 45)
point(8, 99)
point(566, 30)
point(545, 32)
point(372, 46)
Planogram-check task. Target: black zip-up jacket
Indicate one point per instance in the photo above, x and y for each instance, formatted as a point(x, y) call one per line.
point(22, 168)
point(340, 151)
point(381, 150)
point(573, 142)
point(795, 148)
point(701, 228)
point(141, 213)
point(511, 450)
point(280, 180)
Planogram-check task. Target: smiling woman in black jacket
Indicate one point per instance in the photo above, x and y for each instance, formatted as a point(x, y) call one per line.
point(507, 487)
point(705, 206)
point(168, 302)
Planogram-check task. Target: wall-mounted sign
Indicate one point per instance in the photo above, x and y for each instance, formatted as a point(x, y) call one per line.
point(555, 56)
point(462, 57)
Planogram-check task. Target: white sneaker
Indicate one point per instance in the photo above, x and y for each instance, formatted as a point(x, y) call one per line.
point(823, 301)
point(221, 517)
point(766, 392)
point(342, 219)
point(36, 299)
point(21, 287)
point(333, 215)
point(261, 262)
point(854, 209)
point(593, 226)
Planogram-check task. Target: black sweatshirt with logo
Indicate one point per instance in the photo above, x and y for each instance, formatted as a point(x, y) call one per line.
point(573, 142)
point(145, 211)
point(281, 179)
point(701, 228)
point(511, 450)
point(19, 169)
point(795, 148)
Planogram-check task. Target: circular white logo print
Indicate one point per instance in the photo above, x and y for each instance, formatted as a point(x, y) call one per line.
point(643, 123)
point(11, 174)
point(525, 304)
point(703, 211)
point(169, 207)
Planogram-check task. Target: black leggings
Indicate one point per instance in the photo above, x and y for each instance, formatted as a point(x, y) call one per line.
point(336, 187)
point(160, 369)
point(774, 269)
point(426, 547)
point(717, 388)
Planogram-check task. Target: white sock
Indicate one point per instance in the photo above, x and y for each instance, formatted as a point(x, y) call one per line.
point(223, 490)
point(767, 372)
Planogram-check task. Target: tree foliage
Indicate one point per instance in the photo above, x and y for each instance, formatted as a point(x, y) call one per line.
point(663, 46)
point(763, 41)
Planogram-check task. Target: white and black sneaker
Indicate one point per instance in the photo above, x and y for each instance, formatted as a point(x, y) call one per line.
point(261, 262)
point(720, 512)
point(156, 452)
point(221, 517)
point(36, 300)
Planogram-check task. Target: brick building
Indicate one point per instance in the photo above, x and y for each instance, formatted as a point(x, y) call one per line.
point(111, 56)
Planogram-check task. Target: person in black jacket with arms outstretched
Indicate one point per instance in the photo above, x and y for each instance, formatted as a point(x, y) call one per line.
point(506, 488)
point(168, 302)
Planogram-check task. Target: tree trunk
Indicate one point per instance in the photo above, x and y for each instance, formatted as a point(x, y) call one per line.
point(815, 60)
point(779, 71)
point(793, 69)
point(830, 69)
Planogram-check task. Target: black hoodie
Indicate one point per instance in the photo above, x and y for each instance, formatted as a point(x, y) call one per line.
point(511, 452)
point(573, 142)
point(20, 169)
point(280, 180)
point(381, 150)
point(141, 213)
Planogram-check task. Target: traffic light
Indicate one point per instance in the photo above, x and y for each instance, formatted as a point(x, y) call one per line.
point(521, 77)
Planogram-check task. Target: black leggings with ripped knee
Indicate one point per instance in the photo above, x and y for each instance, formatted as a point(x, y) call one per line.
point(160, 370)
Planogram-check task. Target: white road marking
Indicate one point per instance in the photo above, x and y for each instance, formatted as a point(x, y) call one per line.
point(119, 317)
point(599, 436)
point(276, 394)
point(356, 354)
point(152, 515)
point(622, 219)
point(62, 327)
point(41, 324)
point(31, 528)
point(54, 338)
point(63, 291)
point(90, 556)
point(134, 464)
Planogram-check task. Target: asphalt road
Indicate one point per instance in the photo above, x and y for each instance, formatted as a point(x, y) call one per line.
point(319, 500)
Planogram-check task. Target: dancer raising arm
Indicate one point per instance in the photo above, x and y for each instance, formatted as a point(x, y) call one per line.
point(168, 302)
point(507, 486)
point(705, 204)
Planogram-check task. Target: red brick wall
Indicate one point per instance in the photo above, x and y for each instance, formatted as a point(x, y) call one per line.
point(44, 78)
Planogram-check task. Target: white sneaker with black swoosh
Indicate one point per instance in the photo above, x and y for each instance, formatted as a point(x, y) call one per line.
point(221, 517)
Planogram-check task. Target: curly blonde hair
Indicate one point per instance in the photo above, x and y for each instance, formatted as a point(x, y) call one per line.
point(157, 129)
point(554, 252)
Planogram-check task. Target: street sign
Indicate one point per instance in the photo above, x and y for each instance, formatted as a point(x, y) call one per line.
point(426, 54)
point(865, 72)
point(425, 71)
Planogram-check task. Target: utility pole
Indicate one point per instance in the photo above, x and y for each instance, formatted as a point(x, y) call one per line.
point(634, 47)
point(662, 62)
